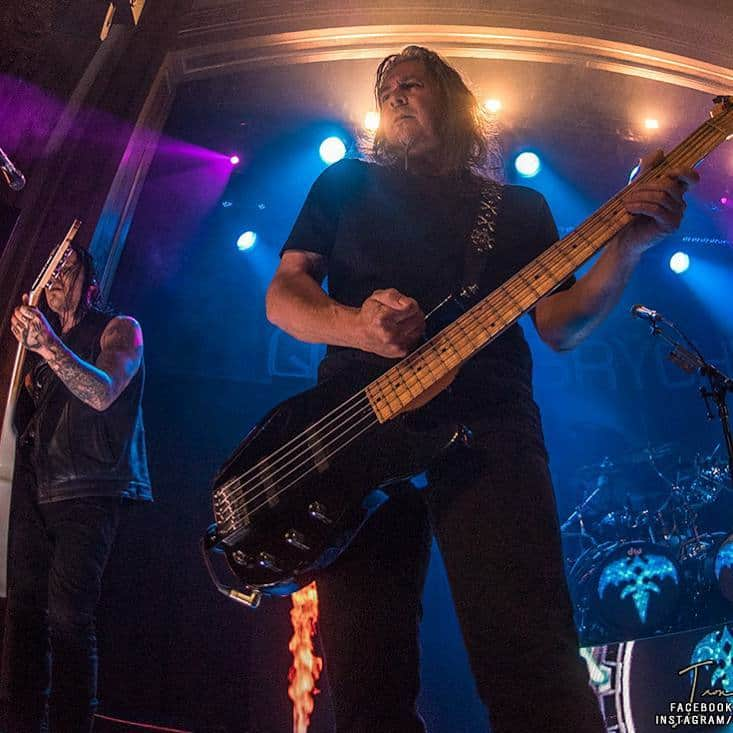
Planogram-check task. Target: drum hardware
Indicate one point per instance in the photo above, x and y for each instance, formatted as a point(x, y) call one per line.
point(693, 584)
point(690, 360)
point(659, 570)
point(710, 477)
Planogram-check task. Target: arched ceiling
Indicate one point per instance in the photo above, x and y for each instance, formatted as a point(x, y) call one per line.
point(576, 78)
point(700, 30)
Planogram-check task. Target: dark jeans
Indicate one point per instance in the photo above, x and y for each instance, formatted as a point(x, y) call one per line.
point(493, 512)
point(56, 558)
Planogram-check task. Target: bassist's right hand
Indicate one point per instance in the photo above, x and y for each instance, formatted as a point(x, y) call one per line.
point(389, 324)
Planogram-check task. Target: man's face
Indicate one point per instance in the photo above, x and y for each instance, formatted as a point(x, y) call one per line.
point(65, 292)
point(409, 105)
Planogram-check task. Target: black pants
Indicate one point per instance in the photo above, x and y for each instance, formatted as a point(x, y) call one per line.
point(56, 558)
point(493, 512)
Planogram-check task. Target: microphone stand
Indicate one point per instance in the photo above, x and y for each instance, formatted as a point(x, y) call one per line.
point(691, 361)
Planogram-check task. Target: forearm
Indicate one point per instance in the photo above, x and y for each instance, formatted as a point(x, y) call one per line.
point(91, 385)
point(570, 316)
point(298, 305)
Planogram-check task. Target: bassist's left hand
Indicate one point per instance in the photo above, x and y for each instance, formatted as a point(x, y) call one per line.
point(659, 204)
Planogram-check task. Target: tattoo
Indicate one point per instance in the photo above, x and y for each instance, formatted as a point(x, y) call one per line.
point(34, 336)
point(89, 384)
point(99, 385)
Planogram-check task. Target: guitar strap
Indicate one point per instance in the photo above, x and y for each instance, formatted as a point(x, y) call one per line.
point(482, 238)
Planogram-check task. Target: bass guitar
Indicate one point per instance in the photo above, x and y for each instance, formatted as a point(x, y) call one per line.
point(299, 487)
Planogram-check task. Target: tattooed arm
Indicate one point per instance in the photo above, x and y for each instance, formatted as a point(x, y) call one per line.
point(98, 385)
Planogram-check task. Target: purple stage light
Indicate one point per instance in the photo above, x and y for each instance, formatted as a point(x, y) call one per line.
point(234, 159)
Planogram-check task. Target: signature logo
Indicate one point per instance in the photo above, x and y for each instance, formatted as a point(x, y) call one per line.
point(716, 650)
point(640, 576)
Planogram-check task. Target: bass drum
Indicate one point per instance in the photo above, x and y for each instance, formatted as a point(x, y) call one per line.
point(626, 590)
point(707, 560)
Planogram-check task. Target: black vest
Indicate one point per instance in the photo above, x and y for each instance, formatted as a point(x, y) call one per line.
point(77, 451)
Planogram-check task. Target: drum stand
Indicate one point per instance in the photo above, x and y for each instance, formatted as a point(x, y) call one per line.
point(691, 361)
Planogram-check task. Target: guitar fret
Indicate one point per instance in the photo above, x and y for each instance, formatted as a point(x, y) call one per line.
point(383, 403)
point(463, 351)
point(550, 267)
point(516, 304)
point(529, 283)
point(455, 358)
point(443, 369)
point(570, 252)
point(497, 317)
point(419, 370)
point(476, 325)
point(404, 380)
point(396, 387)
point(459, 324)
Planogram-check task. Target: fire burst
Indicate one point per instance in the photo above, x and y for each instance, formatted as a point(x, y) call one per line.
point(307, 666)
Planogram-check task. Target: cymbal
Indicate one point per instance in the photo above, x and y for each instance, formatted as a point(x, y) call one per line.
point(610, 466)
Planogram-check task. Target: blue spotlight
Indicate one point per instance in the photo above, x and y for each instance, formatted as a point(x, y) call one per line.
point(332, 150)
point(527, 164)
point(246, 241)
point(679, 262)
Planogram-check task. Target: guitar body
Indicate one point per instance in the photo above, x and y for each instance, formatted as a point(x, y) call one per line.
point(278, 532)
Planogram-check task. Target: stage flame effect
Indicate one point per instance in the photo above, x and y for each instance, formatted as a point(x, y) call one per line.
point(307, 666)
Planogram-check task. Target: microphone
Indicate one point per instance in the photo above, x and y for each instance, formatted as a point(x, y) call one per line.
point(646, 314)
point(15, 179)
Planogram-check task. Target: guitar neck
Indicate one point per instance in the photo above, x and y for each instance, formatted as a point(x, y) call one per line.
point(408, 381)
point(48, 273)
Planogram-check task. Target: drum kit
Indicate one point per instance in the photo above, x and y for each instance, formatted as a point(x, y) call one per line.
point(643, 563)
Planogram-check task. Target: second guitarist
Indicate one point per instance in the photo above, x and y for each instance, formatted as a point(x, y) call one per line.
point(390, 236)
point(81, 454)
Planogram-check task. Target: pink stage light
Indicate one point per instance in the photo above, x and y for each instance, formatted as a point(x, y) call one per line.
point(234, 159)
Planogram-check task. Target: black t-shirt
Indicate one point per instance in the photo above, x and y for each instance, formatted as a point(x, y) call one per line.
point(381, 227)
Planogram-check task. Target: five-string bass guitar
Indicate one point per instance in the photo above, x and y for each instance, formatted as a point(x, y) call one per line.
point(298, 488)
point(46, 277)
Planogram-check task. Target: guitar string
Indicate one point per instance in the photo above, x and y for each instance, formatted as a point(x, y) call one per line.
point(669, 162)
point(231, 481)
point(252, 512)
point(414, 353)
point(240, 497)
point(507, 287)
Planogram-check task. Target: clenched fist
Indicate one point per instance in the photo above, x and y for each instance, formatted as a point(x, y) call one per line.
point(390, 324)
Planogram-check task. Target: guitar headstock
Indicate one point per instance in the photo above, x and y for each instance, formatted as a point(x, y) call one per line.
point(54, 264)
point(722, 113)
